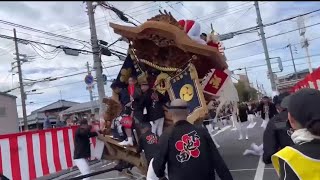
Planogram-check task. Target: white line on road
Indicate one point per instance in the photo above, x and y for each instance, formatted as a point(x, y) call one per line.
point(223, 129)
point(235, 170)
point(260, 170)
point(113, 178)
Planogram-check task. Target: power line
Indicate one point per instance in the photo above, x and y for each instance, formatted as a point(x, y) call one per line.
point(236, 21)
point(222, 10)
point(287, 60)
point(25, 41)
point(101, 18)
point(228, 13)
point(61, 77)
point(40, 37)
point(290, 18)
point(271, 50)
point(41, 31)
point(269, 37)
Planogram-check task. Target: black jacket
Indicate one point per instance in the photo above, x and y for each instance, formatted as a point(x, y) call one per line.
point(243, 116)
point(137, 104)
point(190, 154)
point(272, 110)
point(154, 109)
point(124, 97)
point(148, 142)
point(82, 143)
point(310, 149)
point(276, 136)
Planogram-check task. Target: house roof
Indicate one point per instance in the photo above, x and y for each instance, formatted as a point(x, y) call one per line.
point(8, 95)
point(81, 107)
point(292, 74)
point(56, 105)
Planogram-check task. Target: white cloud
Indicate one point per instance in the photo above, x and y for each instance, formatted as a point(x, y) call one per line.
point(70, 19)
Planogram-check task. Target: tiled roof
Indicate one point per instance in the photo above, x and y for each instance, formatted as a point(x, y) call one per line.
point(81, 107)
point(56, 105)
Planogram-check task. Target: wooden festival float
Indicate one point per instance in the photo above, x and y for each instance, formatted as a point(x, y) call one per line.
point(164, 53)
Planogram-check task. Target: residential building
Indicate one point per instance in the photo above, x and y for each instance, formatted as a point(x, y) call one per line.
point(8, 114)
point(285, 83)
point(82, 110)
point(37, 117)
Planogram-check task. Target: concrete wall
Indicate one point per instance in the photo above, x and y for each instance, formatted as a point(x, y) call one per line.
point(8, 115)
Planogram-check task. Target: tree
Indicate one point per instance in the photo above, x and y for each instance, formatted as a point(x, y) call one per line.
point(245, 93)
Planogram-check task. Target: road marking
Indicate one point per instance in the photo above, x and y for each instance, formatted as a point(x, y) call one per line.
point(223, 129)
point(260, 170)
point(113, 178)
point(235, 170)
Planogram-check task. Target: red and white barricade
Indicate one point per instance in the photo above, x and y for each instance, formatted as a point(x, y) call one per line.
point(29, 155)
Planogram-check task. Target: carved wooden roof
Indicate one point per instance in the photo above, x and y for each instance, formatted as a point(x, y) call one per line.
point(162, 41)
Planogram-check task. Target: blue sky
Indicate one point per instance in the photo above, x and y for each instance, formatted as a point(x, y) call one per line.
point(70, 19)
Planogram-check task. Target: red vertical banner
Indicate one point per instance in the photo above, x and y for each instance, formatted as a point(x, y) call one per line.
point(214, 82)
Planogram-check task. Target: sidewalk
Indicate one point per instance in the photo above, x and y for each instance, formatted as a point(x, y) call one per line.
point(74, 169)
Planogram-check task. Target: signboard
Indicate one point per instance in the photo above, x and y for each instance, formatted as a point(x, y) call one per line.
point(214, 81)
point(186, 86)
point(88, 79)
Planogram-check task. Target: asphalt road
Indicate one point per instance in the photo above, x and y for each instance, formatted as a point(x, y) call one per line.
point(242, 167)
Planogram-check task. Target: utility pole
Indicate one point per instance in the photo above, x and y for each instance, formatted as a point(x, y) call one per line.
point(96, 57)
point(294, 65)
point(90, 90)
point(265, 48)
point(23, 95)
point(306, 44)
point(245, 69)
point(304, 41)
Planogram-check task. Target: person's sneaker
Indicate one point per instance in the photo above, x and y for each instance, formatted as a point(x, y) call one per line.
point(123, 143)
point(126, 143)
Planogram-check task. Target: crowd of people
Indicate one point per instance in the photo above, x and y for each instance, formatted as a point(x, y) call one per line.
point(66, 121)
point(292, 135)
point(186, 151)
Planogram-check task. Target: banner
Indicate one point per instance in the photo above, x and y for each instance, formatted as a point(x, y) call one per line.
point(214, 82)
point(129, 68)
point(310, 81)
point(186, 86)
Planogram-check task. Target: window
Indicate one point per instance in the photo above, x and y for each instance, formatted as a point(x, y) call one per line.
point(3, 112)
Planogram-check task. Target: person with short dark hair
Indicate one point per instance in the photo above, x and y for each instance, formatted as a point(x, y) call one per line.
point(47, 122)
point(276, 135)
point(203, 36)
point(267, 108)
point(302, 160)
point(60, 122)
point(123, 94)
point(188, 151)
point(135, 98)
point(148, 141)
point(82, 150)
